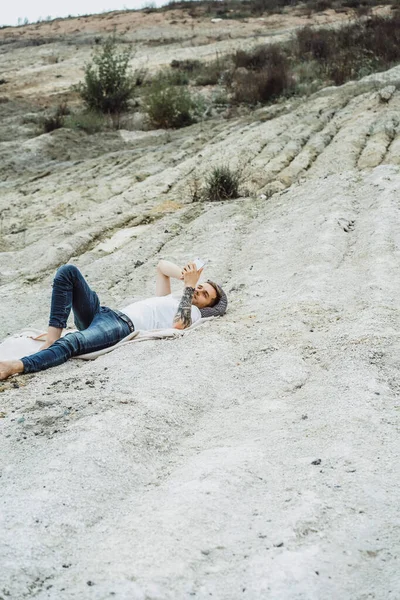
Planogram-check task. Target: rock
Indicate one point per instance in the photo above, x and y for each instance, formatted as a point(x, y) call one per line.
point(44, 403)
point(386, 93)
point(316, 461)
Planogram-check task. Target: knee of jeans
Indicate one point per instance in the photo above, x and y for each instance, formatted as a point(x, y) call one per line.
point(68, 271)
point(72, 341)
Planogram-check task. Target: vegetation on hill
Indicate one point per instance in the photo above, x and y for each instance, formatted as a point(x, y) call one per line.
point(108, 85)
point(311, 59)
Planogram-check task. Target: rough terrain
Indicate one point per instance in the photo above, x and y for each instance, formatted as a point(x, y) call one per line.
point(256, 457)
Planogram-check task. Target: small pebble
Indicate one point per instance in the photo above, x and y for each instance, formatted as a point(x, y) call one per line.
point(316, 462)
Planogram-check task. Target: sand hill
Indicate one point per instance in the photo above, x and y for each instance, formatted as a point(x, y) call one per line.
point(256, 457)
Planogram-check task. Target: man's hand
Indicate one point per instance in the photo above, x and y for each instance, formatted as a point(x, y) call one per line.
point(191, 275)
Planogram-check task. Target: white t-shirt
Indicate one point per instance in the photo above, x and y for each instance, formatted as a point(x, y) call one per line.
point(157, 312)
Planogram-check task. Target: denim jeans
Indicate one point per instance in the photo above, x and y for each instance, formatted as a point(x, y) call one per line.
point(99, 326)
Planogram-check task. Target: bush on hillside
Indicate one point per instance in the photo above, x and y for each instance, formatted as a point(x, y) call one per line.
point(222, 184)
point(173, 77)
point(187, 65)
point(352, 51)
point(108, 85)
point(49, 123)
point(88, 121)
point(168, 106)
point(213, 72)
point(52, 122)
point(264, 86)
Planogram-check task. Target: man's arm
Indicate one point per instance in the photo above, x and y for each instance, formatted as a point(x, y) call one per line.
point(165, 270)
point(183, 317)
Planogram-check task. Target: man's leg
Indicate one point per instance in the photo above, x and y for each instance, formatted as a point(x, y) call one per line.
point(70, 290)
point(106, 329)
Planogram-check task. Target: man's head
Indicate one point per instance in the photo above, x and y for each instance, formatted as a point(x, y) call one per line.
point(210, 298)
point(205, 295)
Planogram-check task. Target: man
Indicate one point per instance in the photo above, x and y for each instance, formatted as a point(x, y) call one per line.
point(100, 327)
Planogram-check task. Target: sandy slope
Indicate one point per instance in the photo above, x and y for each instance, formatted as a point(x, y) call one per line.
point(179, 469)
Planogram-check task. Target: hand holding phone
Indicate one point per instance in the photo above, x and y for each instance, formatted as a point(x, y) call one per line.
point(191, 274)
point(199, 263)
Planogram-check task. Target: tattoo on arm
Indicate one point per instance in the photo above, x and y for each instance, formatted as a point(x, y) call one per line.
point(184, 312)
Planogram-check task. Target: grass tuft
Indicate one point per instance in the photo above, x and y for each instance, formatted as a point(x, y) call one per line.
point(222, 184)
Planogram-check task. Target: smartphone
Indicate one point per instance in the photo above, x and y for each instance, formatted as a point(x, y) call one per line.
point(199, 263)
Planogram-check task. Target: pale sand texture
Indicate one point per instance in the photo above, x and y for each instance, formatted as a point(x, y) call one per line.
point(176, 469)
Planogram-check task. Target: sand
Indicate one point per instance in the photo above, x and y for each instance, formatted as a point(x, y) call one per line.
point(258, 456)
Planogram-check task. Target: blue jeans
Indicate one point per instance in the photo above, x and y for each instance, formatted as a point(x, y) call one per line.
point(99, 326)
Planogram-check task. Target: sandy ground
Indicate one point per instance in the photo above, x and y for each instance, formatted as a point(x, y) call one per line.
point(256, 457)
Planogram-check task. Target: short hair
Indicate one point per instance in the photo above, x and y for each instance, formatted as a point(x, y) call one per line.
point(219, 304)
point(218, 291)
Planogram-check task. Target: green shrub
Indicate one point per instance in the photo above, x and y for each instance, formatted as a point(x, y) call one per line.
point(139, 76)
point(187, 65)
point(52, 122)
point(213, 72)
point(89, 121)
point(168, 106)
point(265, 86)
point(222, 184)
point(353, 50)
point(108, 84)
point(63, 109)
point(254, 59)
point(173, 77)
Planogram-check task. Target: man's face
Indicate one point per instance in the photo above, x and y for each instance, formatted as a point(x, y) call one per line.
point(204, 295)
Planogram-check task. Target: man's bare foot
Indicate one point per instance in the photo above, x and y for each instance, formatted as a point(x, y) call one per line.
point(10, 367)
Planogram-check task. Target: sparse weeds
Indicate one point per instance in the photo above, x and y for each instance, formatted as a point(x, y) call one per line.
point(88, 121)
point(49, 123)
point(311, 59)
point(222, 183)
point(314, 58)
point(187, 65)
point(173, 77)
point(140, 76)
point(352, 51)
point(52, 122)
point(195, 190)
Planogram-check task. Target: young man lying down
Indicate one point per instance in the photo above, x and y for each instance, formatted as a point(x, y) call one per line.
point(100, 327)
